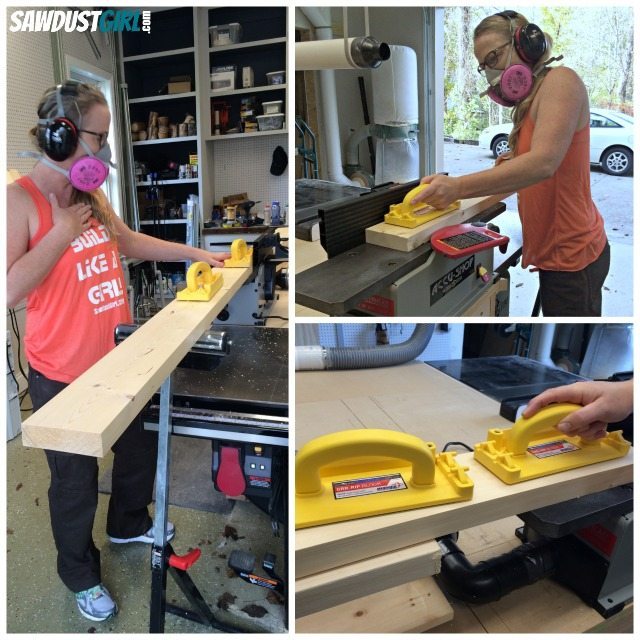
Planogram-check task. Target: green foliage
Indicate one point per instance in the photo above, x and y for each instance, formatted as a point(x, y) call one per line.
point(597, 42)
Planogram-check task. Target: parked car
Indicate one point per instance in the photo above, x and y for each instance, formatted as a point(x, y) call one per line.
point(611, 141)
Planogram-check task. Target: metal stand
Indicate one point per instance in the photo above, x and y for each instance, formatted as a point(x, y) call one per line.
point(162, 555)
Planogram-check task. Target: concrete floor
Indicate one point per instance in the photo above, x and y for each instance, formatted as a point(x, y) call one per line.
point(38, 602)
point(613, 196)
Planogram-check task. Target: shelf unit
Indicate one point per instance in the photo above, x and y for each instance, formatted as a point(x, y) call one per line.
point(178, 45)
point(148, 61)
point(263, 46)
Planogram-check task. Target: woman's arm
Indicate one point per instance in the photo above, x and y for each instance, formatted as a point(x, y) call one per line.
point(27, 268)
point(144, 247)
point(560, 108)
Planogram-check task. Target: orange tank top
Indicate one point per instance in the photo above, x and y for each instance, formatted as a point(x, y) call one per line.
point(72, 313)
point(562, 229)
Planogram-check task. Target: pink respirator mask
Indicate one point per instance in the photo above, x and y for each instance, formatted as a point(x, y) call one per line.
point(88, 172)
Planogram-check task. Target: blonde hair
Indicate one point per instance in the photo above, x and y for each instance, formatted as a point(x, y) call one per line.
point(503, 25)
point(77, 98)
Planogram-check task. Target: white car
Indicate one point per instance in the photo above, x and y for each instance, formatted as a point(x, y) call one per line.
point(611, 141)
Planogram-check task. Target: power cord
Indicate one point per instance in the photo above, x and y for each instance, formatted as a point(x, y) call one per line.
point(457, 444)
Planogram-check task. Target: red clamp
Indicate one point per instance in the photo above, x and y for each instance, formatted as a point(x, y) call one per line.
point(186, 561)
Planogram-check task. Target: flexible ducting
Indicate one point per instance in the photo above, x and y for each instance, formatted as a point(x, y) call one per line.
point(365, 358)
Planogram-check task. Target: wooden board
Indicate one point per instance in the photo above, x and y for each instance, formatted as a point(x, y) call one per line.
point(410, 608)
point(403, 239)
point(89, 415)
point(358, 579)
point(333, 545)
point(413, 397)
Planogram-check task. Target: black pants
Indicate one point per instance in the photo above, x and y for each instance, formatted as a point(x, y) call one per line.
point(575, 293)
point(73, 493)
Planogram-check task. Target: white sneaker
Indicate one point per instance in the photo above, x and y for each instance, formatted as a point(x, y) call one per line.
point(146, 537)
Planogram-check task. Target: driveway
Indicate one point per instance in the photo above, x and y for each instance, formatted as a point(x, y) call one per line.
point(613, 196)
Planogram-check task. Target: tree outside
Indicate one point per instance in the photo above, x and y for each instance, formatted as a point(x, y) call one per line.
point(597, 43)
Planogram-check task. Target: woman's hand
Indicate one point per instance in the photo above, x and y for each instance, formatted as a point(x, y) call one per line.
point(214, 259)
point(502, 157)
point(441, 192)
point(73, 220)
point(603, 402)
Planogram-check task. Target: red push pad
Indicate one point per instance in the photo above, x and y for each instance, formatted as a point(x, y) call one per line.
point(186, 561)
point(230, 479)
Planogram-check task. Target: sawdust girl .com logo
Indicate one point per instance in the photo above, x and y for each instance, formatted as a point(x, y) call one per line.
point(105, 21)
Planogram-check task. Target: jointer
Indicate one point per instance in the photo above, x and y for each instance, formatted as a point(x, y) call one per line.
point(379, 269)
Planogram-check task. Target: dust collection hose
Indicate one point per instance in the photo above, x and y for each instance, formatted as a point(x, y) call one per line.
point(317, 357)
point(492, 579)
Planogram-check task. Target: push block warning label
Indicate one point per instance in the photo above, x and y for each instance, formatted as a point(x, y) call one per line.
point(555, 448)
point(367, 486)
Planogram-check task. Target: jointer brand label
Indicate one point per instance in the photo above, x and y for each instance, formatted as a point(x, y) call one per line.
point(452, 279)
point(367, 486)
point(555, 448)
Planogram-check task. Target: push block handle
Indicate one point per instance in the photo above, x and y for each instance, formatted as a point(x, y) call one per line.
point(414, 192)
point(359, 443)
point(199, 274)
point(546, 420)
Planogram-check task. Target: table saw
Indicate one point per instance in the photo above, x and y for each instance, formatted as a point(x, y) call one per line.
point(232, 389)
point(375, 573)
point(378, 269)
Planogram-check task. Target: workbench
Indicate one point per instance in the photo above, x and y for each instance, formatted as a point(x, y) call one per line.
point(375, 574)
point(392, 253)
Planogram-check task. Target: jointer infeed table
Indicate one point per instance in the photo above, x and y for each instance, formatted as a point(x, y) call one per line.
point(378, 269)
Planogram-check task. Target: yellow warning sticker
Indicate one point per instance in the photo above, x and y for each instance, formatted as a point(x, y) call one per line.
point(368, 486)
point(555, 448)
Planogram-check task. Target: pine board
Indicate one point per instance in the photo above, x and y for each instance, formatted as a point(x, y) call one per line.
point(359, 579)
point(410, 608)
point(404, 239)
point(322, 548)
point(419, 399)
point(89, 415)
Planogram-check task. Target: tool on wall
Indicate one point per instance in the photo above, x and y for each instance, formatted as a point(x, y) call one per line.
point(533, 447)
point(366, 472)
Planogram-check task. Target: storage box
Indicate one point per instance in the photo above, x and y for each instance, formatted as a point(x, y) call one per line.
point(275, 77)
point(223, 34)
point(223, 78)
point(179, 84)
point(247, 77)
point(270, 108)
point(270, 122)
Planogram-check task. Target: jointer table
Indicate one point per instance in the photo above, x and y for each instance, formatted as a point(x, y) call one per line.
point(364, 266)
point(374, 574)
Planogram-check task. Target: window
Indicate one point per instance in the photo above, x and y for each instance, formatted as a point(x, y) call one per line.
point(84, 72)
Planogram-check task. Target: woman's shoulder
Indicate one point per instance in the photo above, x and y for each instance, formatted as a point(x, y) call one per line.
point(563, 74)
point(18, 196)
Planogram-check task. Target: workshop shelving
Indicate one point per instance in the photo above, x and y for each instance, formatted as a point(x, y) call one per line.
point(179, 45)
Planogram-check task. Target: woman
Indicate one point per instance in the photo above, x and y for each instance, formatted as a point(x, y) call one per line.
point(63, 247)
point(563, 232)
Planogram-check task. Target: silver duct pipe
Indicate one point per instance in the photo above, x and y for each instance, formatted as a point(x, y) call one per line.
point(317, 357)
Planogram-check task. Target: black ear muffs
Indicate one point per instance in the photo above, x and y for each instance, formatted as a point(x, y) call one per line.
point(60, 139)
point(59, 135)
point(530, 42)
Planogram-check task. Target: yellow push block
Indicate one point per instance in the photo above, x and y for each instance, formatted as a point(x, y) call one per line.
point(241, 254)
point(410, 215)
point(202, 283)
point(367, 472)
point(533, 447)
